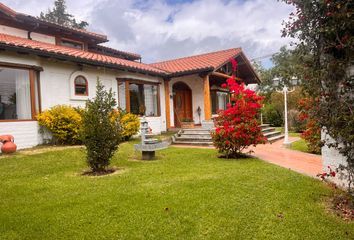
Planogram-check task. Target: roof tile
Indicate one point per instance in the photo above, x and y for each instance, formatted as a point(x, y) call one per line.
point(77, 53)
point(208, 60)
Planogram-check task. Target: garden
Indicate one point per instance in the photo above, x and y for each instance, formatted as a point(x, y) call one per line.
point(182, 195)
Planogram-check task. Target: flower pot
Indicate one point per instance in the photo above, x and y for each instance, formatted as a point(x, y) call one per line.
point(187, 125)
point(8, 147)
point(8, 144)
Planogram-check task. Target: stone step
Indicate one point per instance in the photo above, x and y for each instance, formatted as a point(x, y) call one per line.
point(268, 129)
point(264, 125)
point(190, 131)
point(271, 134)
point(193, 143)
point(193, 135)
point(275, 138)
point(186, 139)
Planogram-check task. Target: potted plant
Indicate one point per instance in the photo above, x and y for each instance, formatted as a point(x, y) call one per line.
point(187, 123)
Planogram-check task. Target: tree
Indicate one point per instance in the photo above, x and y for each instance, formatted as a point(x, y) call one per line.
point(237, 126)
point(325, 42)
point(286, 66)
point(101, 131)
point(60, 16)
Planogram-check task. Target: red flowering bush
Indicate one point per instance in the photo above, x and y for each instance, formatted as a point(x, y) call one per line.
point(237, 126)
point(325, 175)
point(312, 133)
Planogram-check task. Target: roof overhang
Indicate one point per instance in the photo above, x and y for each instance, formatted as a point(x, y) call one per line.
point(64, 57)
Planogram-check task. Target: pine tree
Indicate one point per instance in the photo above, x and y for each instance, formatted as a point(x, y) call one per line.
point(59, 15)
point(101, 132)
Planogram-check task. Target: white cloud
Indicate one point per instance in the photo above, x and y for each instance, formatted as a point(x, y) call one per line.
point(159, 31)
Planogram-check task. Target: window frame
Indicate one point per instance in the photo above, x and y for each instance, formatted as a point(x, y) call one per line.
point(59, 41)
point(86, 85)
point(215, 91)
point(127, 83)
point(34, 80)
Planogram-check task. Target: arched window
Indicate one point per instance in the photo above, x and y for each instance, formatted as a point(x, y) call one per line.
point(81, 86)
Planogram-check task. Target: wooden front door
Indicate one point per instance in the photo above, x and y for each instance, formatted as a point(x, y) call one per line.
point(182, 103)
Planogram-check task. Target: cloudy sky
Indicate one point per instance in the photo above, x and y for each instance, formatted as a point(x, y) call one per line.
point(165, 29)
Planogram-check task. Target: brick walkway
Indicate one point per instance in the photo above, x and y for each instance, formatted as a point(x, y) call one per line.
point(276, 153)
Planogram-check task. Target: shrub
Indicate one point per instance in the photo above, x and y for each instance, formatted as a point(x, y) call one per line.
point(312, 132)
point(272, 116)
point(237, 126)
point(63, 122)
point(294, 121)
point(101, 131)
point(130, 123)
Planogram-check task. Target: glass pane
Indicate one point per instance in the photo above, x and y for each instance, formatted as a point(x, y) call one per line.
point(150, 93)
point(80, 86)
point(71, 44)
point(222, 100)
point(15, 95)
point(80, 80)
point(137, 99)
point(121, 95)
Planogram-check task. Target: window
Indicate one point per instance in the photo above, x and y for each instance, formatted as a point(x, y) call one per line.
point(81, 86)
point(17, 94)
point(219, 101)
point(121, 95)
point(72, 44)
point(144, 99)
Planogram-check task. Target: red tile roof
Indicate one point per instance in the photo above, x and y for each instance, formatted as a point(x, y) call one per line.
point(75, 54)
point(16, 15)
point(212, 61)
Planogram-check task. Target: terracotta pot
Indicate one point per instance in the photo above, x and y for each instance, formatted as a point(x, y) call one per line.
point(8, 144)
point(8, 147)
point(6, 138)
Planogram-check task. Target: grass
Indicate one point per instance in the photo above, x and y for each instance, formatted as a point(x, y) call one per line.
point(299, 145)
point(291, 133)
point(185, 194)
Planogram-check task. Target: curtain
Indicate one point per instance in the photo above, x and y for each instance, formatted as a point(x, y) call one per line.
point(23, 94)
point(150, 93)
point(121, 95)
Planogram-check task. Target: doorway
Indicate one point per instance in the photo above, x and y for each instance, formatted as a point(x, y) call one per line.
point(182, 103)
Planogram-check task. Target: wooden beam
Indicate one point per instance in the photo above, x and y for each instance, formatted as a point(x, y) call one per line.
point(207, 100)
point(218, 74)
point(167, 103)
point(127, 97)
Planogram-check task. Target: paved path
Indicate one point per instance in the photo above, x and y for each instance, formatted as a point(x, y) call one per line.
point(276, 153)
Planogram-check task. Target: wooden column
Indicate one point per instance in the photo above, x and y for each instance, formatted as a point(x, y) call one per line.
point(167, 103)
point(207, 100)
point(127, 96)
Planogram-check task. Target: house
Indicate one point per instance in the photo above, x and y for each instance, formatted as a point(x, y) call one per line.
point(44, 64)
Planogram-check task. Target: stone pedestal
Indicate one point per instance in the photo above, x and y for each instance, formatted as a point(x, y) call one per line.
point(148, 155)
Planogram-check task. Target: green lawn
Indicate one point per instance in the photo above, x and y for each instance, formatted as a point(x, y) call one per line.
point(299, 145)
point(186, 194)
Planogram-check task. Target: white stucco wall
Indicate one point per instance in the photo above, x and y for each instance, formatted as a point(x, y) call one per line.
point(196, 85)
point(56, 87)
point(24, 34)
point(26, 133)
point(331, 157)
point(13, 31)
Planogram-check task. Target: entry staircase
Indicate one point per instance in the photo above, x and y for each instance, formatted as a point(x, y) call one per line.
point(202, 137)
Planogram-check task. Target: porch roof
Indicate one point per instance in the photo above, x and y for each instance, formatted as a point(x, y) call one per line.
point(207, 61)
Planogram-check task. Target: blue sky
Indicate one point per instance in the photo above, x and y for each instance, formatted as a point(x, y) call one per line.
point(165, 29)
